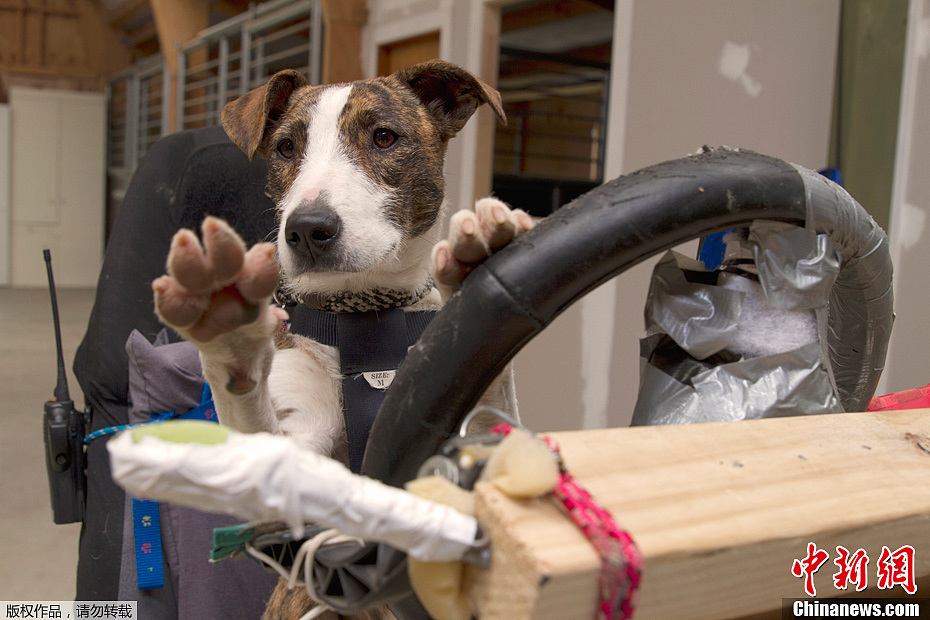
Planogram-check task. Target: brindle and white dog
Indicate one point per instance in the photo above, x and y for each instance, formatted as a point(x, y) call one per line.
point(356, 172)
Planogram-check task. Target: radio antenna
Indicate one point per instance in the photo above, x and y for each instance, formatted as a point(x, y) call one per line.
point(61, 388)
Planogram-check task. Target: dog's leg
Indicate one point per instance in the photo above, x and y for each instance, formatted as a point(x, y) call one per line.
point(473, 237)
point(292, 604)
point(217, 297)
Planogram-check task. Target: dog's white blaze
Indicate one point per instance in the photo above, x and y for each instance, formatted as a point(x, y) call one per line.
point(367, 235)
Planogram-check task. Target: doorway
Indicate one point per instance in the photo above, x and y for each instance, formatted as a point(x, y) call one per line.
point(553, 78)
point(394, 56)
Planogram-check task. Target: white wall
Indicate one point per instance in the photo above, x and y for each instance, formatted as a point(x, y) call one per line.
point(468, 38)
point(749, 74)
point(908, 362)
point(58, 177)
point(5, 209)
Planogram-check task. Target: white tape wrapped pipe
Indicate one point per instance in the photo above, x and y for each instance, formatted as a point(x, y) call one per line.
point(263, 477)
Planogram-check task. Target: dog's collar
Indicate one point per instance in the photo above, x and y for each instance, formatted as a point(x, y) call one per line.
point(357, 301)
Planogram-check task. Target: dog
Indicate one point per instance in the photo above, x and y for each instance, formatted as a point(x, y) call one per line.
point(356, 174)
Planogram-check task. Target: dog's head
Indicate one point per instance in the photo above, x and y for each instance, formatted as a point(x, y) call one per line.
point(355, 169)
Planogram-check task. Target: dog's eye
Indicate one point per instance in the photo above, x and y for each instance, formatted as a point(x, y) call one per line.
point(384, 138)
point(286, 149)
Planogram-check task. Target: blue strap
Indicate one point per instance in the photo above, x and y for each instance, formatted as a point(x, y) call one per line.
point(146, 526)
point(206, 410)
point(112, 430)
point(713, 249)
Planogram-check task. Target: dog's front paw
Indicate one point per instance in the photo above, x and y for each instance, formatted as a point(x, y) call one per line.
point(217, 287)
point(473, 237)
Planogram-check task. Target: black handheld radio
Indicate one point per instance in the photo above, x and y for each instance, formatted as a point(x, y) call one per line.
point(63, 428)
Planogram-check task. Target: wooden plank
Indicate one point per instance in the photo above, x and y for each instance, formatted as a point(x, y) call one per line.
point(177, 22)
point(719, 511)
point(102, 46)
point(11, 36)
point(343, 21)
point(394, 56)
point(144, 35)
point(34, 38)
point(61, 38)
point(544, 13)
point(63, 47)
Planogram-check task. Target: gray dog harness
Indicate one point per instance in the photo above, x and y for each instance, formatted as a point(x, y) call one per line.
point(371, 346)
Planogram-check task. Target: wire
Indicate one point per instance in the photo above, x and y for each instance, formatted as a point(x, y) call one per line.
point(112, 430)
point(304, 559)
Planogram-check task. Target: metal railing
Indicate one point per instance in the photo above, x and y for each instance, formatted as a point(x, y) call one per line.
point(227, 60)
point(137, 111)
point(137, 116)
point(224, 62)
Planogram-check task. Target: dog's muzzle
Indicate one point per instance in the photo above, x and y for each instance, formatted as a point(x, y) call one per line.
point(312, 232)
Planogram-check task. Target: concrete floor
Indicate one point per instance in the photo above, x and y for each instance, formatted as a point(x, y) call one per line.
point(38, 559)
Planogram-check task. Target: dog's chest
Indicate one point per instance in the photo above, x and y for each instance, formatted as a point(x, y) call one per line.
point(332, 371)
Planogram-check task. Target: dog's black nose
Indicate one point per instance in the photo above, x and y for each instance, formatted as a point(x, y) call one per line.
point(312, 231)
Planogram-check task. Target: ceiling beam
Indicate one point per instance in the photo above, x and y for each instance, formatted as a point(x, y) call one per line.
point(129, 12)
point(177, 22)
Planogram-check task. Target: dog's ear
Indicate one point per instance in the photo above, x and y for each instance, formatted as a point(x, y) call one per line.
point(250, 119)
point(450, 93)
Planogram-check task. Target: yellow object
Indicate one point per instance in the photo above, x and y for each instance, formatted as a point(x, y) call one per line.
point(440, 585)
point(184, 431)
point(443, 491)
point(522, 466)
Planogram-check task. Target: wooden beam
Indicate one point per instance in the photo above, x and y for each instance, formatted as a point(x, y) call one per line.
point(131, 11)
point(177, 22)
point(719, 511)
point(343, 21)
point(539, 14)
point(607, 5)
point(62, 10)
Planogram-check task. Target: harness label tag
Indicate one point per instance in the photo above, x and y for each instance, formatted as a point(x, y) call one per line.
point(380, 380)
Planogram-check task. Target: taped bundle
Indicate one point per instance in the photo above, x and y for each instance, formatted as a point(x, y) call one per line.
point(746, 340)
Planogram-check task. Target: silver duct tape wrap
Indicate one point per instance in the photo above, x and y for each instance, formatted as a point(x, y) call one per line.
point(860, 309)
point(797, 267)
point(723, 347)
point(783, 384)
point(718, 349)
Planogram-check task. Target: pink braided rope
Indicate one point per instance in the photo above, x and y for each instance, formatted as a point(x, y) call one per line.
point(621, 561)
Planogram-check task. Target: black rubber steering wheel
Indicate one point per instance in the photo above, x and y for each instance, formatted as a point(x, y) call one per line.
point(517, 292)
